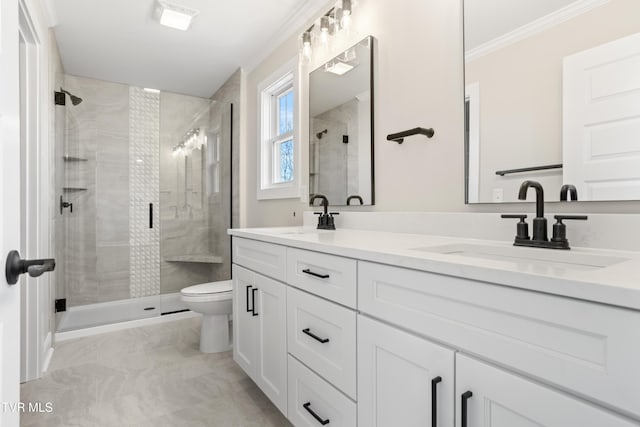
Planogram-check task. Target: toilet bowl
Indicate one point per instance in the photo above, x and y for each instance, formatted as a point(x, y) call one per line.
point(213, 301)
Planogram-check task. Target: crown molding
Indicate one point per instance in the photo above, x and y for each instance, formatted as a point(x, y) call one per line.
point(539, 25)
point(308, 10)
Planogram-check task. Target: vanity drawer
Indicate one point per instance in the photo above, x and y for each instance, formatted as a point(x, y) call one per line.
point(329, 276)
point(309, 394)
point(265, 258)
point(323, 336)
point(588, 348)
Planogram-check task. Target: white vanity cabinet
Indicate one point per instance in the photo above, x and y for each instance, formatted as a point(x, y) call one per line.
point(367, 344)
point(492, 397)
point(403, 380)
point(259, 346)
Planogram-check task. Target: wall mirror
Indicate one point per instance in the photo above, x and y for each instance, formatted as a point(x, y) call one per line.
point(341, 127)
point(552, 94)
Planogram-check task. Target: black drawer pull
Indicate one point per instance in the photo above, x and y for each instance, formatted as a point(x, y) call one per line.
point(307, 406)
point(465, 396)
point(434, 401)
point(150, 215)
point(321, 276)
point(249, 310)
point(314, 336)
point(253, 301)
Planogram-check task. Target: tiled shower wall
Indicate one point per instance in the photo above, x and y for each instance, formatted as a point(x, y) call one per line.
point(97, 232)
point(110, 251)
point(144, 169)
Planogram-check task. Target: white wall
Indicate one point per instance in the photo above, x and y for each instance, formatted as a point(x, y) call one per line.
point(418, 82)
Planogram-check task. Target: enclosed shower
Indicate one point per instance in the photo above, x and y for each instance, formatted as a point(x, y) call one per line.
point(143, 181)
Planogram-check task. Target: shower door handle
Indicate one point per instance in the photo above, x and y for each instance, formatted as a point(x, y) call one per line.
point(35, 267)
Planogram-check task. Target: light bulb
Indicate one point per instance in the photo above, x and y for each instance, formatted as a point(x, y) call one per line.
point(345, 22)
point(306, 46)
point(324, 30)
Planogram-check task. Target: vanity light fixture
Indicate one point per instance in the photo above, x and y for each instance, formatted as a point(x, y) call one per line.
point(338, 67)
point(345, 21)
point(307, 50)
point(330, 24)
point(175, 15)
point(195, 139)
point(324, 30)
point(151, 90)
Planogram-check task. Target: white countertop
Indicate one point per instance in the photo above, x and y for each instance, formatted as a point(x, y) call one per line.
point(618, 284)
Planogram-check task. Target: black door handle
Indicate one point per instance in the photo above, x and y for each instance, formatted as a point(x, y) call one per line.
point(249, 310)
point(434, 401)
point(253, 301)
point(307, 406)
point(465, 396)
point(314, 336)
point(322, 276)
point(35, 267)
point(64, 205)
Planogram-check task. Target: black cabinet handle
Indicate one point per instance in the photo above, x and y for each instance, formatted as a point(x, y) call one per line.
point(311, 273)
point(314, 336)
point(253, 301)
point(150, 215)
point(249, 310)
point(307, 406)
point(465, 396)
point(434, 401)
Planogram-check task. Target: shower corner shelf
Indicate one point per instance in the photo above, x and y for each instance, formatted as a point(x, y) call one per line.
point(74, 159)
point(197, 258)
point(74, 189)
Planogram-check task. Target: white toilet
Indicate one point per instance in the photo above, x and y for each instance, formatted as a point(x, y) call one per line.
point(213, 301)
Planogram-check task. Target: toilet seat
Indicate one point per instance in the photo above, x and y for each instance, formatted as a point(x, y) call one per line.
point(206, 292)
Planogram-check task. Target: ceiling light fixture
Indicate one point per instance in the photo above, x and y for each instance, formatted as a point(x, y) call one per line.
point(175, 16)
point(151, 90)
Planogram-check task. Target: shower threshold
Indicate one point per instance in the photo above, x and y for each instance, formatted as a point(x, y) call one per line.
point(113, 312)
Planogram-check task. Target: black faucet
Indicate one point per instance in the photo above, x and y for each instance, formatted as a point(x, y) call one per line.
point(358, 198)
point(571, 190)
point(539, 222)
point(325, 219)
point(540, 238)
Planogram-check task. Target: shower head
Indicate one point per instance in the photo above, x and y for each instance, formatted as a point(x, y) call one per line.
point(320, 134)
point(75, 100)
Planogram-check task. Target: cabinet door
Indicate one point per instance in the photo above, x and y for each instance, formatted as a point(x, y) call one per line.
point(397, 372)
point(245, 332)
point(496, 398)
point(271, 370)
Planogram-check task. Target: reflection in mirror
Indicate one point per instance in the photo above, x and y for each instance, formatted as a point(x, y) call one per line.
point(341, 127)
point(552, 94)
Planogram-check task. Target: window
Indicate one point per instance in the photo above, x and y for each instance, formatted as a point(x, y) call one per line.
point(278, 135)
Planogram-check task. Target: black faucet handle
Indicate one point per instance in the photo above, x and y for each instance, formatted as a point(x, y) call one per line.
point(522, 228)
point(561, 218)
point(521, 217)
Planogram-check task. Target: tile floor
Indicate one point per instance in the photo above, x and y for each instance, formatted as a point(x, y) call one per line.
point(147, 376)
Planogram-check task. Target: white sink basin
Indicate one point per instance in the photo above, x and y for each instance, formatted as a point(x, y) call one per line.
point(528, 257)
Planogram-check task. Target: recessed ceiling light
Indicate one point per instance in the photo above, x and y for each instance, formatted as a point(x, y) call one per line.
point(339, 68)
point(151, 90)
point(175, 16)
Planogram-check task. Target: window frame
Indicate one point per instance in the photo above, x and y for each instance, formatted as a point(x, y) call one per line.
point(283, 80)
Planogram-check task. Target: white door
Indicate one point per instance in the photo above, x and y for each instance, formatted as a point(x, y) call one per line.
point(271, 312)
point(496, 398)
point(403, 380)
point(601, 124)
point(9, 212)
point(244, 324)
